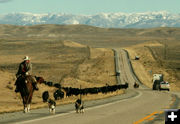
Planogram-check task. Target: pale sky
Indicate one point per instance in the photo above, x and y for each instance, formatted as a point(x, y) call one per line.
point(89, 7)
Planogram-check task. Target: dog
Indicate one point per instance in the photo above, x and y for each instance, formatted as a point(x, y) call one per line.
point(79, 106)
point(51, 103)
point(52, 106)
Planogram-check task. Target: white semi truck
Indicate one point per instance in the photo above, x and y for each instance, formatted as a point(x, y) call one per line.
point(157, 78)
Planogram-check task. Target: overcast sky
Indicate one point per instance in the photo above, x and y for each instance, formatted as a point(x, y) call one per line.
point(88, 6)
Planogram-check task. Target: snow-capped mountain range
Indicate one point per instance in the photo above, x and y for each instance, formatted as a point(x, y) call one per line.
point(108, 20)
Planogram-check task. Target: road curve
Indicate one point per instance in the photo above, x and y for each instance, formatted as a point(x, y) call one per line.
point(136, 106)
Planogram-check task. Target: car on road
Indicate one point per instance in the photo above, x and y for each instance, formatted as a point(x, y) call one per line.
point(164, 85)
point(118, 73)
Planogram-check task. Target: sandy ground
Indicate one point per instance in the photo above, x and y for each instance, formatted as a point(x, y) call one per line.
point(147, 65)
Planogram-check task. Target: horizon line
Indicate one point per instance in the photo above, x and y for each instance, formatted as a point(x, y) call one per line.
point(161, 11)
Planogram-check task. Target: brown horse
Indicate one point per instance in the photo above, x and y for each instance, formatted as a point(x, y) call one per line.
point(26, 90)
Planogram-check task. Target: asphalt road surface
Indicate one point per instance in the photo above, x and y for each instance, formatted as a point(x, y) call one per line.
point(136, 106)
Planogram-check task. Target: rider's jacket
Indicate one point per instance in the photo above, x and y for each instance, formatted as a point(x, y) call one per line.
point(25, 68)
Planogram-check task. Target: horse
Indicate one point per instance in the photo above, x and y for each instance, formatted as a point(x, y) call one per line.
point(79, 106)
point(26, 89)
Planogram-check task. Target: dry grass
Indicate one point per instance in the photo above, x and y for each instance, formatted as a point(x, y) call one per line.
point(65, 62)
point(10, 102)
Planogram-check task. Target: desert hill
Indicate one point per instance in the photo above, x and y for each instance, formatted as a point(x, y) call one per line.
point(58, 30)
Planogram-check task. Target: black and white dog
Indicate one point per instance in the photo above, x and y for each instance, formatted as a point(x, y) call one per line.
point(52, 106)
point(51, 103)
point(79, 106)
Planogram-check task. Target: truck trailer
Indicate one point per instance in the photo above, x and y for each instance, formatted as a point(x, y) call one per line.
point(157, 78)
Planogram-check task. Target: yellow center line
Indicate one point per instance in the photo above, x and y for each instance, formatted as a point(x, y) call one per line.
point(150, 119)
point(141, 120)
point(161, 112)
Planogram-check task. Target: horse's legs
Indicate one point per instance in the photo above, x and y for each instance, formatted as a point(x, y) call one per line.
point(29, 103)
point(28, 107)
point(25, 108)
point(29, 98)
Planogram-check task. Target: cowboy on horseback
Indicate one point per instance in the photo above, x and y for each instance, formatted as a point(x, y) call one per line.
point(25, 69)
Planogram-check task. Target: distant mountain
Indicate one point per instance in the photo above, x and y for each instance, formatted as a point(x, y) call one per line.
point(107, 20)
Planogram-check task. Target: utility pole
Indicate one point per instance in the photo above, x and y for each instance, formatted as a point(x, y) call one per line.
point(80, 93)
point(165, 50)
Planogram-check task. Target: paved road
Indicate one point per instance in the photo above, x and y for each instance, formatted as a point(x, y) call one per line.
point(137, 106)
point(126, 74)
point(126, 111)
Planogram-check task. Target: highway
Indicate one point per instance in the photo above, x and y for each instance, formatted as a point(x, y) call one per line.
point(136, 106)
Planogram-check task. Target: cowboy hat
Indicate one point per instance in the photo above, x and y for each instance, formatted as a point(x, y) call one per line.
point(26, 58)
